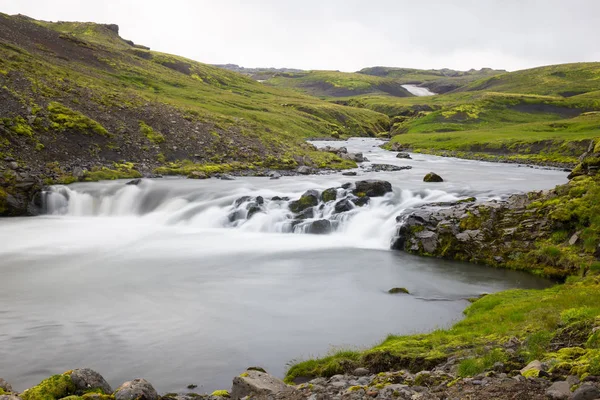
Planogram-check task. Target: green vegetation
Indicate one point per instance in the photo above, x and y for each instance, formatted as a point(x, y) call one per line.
point(221, 393)
point(151, 134)
point(64, 118)
point(55, 387)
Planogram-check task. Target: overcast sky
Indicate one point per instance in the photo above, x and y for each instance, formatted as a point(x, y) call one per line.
point(347, 35)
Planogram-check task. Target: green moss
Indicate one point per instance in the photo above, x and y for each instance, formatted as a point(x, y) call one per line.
point(152, 135)
point(119, 171)
point(64, 118)
point(55, 387)
point(221, 393)
point(398, 290)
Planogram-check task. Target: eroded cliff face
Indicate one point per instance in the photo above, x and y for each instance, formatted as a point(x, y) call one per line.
point(553, 233)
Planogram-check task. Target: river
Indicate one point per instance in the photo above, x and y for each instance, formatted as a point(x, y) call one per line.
point(158, 281)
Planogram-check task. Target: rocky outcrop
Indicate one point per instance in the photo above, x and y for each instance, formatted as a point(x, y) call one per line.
point(137, 389)
point(343, 153)
point(257, 384)
point(86, 380)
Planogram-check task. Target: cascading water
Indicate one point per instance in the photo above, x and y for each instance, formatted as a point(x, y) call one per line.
point(370, 224)
point(191, 281)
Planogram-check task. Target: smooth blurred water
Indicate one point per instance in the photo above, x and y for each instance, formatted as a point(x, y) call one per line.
point(155, 281)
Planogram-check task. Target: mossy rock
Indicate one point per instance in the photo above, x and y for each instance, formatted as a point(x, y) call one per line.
point(55, 387)
point(432, 177)
point(329, 195)
point(221, 393)
point(308, 199)
point(398, 290)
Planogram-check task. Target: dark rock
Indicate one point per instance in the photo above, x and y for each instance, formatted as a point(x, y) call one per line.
point(329, 195)
point(349, 173)
point(137, 389)
point(388, 167)
point(256, 384)
point(372, 188)
point(306, 214)
point(309, 199)
point(253, 208)
point(86, 380)
point(432, 177)
point(260, 200)
point(241, 200)
point(586, 392)
point(403, 155)
point(259, 369)
point(398, 290)
point(343, 206)
point(361, 201)
point(347, 185)
point(135, 182)
point(320, 227)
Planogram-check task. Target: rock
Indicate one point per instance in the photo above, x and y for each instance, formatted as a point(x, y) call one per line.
point(304, 170)
point(559, 390)
point(9, 397)
point(586, 392)
point(349, 173)
point(225, 177)
point(403, 155)
point(361, 201)
point(197, 175)
point(574, 239)
point(78, 172)
point(532, 369)
point(356, 157)
point(310, 198)
point(13, 165)
point(432, 177)
point(361, 372)
point(347, 185)
point(329, 195)
point(274, 175)
point(306, 214)
point(134, 182)
point(343, 206)
point(137, 389)
point(86, 379)
point(398, 290)
point(388, 167)
point(253, 208)
point(257, 384)
point(5, 386)
point(319, 227)
point(372, 188)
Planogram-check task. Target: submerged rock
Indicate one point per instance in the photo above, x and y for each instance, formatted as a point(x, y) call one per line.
point(398, 290)
point(349, 173)
point(137, 389)
point(403, 155)
point(320, 227)
point(135, 182)
point(343, 206)
point(432, 177)
point(372, 188)
point(388, 167)
point(257, 384)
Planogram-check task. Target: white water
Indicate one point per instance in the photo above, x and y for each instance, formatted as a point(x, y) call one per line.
point(157, 280)
point(418, 90)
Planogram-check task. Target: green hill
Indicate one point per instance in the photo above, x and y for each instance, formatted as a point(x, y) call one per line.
point(77, 97)
point(337, 84)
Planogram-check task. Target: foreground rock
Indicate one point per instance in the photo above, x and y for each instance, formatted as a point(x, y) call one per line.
point(257, 384)
point(137, 389)
point(86, 380)
point(372, 188)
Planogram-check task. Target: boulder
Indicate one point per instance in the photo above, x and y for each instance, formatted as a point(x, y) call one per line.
point(349, 173)
point(329, 195)
point(361, 372)
point(343, 206)
point(86, 379)
point(559, 390)
point(361, 201)
point(226, 177)
point(5, 386)
point(372, 188)
point(309, 199)
point(403, 155)
point(432, 177)
point(253, 208)
point(274, 175)
point(532, 369)
point(257, 384)
point(137, 389)
point(304, 170)
point(319, 227)
point(586, 392)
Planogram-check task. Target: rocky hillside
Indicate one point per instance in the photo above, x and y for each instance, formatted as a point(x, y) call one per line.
point(81, 103)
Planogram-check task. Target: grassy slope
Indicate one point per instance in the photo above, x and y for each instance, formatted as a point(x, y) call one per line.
point(88, 68)
point(337, 84)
